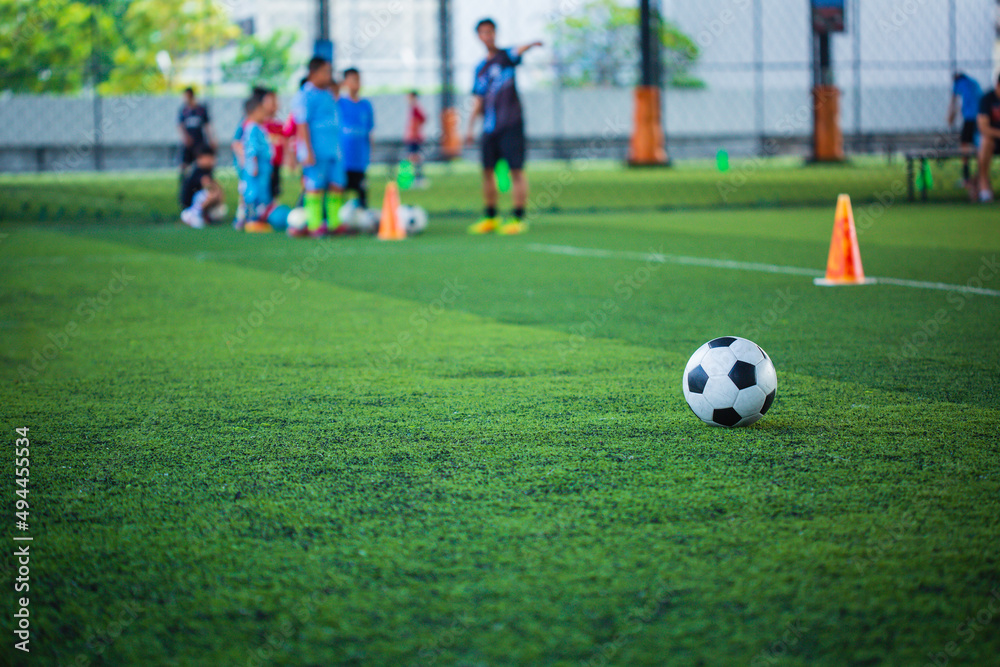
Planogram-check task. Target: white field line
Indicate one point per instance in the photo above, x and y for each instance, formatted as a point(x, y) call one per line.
point(741, 266)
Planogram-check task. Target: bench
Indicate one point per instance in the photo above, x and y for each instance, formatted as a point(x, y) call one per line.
point(921, 157)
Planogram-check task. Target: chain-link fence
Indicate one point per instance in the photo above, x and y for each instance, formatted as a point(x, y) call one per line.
point(737, 74)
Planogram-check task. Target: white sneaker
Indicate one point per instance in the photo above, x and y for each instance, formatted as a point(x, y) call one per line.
point(193, 218)
point(985, 196)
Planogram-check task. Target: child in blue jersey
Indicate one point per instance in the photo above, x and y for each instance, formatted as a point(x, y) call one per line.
point(319, 153)
point(256, 184)
point(357, 125)
point(966, 94)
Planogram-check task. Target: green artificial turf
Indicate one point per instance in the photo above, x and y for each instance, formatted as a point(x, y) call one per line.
point(250, 450)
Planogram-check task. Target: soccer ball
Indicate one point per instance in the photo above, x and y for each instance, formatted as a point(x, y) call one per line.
point(413, 219)
point(298, 219)
point(729, 382)
point(353, 216)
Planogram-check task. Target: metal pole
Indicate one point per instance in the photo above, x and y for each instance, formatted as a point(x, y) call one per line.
point(953, 35)
point(95, 72)
point(324, 20)
point(856, 27)
point(444, 37)
point(649, 35)
point(758, 55)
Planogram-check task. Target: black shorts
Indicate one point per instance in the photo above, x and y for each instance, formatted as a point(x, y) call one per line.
point(506, 143)
point(355, 181)
point(414, 147)
point(275, 181)
point(969, 132)
point(188, 153)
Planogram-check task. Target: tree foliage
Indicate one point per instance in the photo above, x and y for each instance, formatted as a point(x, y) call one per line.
point(598, 45)
point(261, 62)
point(179, 28)
point(47, 45)
point(60, 46)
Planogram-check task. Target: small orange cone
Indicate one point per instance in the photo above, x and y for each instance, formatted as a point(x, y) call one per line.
point(843, 266)
point(389, 228)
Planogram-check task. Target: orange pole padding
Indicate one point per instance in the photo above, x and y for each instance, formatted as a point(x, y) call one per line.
point(647, 146)
point(828, 139)
point(843, 264)
point(451, 138)
point(389, 228)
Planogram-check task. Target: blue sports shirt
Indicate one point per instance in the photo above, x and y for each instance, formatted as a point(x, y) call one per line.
point(970, 92)
point(257, 145)
point(357, 120)
point(317, 108)
point(496, 84)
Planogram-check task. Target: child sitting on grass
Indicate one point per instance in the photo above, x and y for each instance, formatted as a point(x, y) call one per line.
point(202, 198)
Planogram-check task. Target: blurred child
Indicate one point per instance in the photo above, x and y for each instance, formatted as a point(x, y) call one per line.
point(319, 153)
point(414, 138)
point(202, 198)
point(357, 136)
point(278, 133)
point(256, 183)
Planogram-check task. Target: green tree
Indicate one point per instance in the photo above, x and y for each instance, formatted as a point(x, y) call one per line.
point(48, 45)
point(598, 46)
point(263, 62)
point(179, 28)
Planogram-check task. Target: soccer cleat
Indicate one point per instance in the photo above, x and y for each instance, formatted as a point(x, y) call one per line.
point(257, 227)
point(485, 226)
point(322, 232)
point(515, 226)
point(298, 232)
point(985, 196)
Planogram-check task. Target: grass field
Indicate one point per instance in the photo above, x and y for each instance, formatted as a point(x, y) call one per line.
point(249, 450)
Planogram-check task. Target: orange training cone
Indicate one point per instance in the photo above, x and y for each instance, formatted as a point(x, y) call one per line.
point(389, 228)
point(843, 266)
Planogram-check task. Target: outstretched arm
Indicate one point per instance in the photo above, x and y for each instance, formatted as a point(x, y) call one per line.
point(521, 50)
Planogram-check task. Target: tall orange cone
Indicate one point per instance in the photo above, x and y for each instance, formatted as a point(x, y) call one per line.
point(389, 228)
point(843, 266)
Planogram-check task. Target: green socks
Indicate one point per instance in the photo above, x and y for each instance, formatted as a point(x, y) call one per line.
point(314, 210)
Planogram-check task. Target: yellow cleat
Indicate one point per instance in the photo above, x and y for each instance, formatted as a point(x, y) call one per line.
point(515, 226)
point(485, 226)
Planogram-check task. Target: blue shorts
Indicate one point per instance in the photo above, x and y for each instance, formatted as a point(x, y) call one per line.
point(256, 190)
point(324, 175)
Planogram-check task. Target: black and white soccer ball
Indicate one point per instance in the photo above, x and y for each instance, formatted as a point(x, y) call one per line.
point(413, 219)
point(730, 381)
